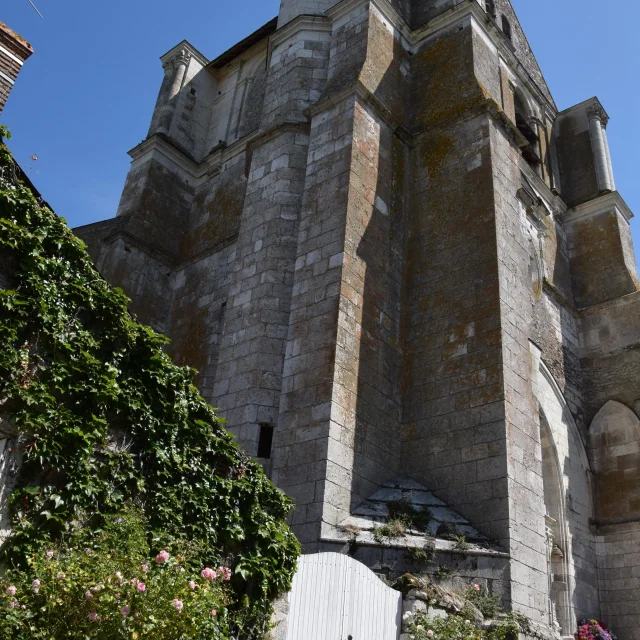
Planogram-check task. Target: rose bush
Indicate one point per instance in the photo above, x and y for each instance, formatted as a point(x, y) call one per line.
point(593, 630)
point(107, 585)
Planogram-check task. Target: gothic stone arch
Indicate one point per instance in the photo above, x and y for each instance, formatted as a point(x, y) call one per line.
point(614, 438)
point(572, 569)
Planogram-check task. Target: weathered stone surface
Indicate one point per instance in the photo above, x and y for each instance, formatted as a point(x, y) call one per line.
point(384, 243)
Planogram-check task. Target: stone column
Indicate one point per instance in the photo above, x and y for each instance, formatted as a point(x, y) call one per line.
point(608, 152)
point(162, 96)
point(180, 62)
point(597, 122)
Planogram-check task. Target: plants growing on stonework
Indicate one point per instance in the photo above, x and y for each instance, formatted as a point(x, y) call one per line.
point(391, 529)
point(489, 605)
point(457, 627)
point(442, 572)
point(593, 630)
point(424, 553)
point(412, 517)
point(101, 417)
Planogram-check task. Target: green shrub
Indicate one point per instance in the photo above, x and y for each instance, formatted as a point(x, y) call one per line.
point(489, 604)
point(106, 584)
point(411, 516)
point(455, 627)
point(391, 529)
point(103, 416)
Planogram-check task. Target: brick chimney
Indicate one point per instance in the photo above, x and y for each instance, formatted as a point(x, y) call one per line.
point(14, 50)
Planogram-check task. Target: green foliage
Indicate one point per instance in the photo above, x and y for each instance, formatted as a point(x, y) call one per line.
point(103, 416)
point(109, 585)
point(442, 572)
point(461, 543)
point(456, 627)
point(489, 604)
point(423, 554)
point(391, 529)
point(412, 517)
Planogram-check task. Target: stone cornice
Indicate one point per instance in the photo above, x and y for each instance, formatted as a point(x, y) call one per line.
point(357, 90)
point(186, 47)
point(210, 166)
point(606, 203)
point(166, 147)
point(592, 104)
point(629, 299)
point(320, 24)
point(596, 110)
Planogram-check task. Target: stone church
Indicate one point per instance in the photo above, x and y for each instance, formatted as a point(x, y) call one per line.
point(403, 274)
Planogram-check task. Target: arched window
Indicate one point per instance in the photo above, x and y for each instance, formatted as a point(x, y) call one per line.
point(506, 27)
point(491, 8)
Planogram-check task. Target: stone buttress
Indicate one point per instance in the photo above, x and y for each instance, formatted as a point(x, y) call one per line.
point(400, 270)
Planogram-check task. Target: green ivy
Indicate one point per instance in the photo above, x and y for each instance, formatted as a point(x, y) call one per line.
point(103, 415)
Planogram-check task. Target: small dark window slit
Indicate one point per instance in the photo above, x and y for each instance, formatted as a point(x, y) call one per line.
point(265, 443)
point(506, 27)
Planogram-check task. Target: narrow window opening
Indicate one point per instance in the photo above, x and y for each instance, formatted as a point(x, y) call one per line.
point(530, 152)
point(265, 443)
point(506, 27)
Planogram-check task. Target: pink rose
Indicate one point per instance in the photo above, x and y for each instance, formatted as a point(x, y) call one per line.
point(192, 585)
point(208, 574)
point(88, 595)
point(93, 616)
point(225, 573)
point(13, 604)
point(162, 557)
point(12, 591)
point(35, 585)
point(214, 612)
point(125, 611)
point(178, 604)
point(141, 587)
point(476, 587)
point(145, 567)
point(49, 555)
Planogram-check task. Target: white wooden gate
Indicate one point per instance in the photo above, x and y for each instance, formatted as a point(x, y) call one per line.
point(335, 597)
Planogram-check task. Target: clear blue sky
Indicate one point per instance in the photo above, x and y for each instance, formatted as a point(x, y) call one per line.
point(85, 97)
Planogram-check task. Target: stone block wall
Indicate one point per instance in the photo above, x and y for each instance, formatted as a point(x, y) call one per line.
point(144, 278)
point(619, 575)
point(303, 465)
point(199, 295)
point(610, 357)
point(527, 543)
point(452, 386)
point(257, 313)
point(603, 263)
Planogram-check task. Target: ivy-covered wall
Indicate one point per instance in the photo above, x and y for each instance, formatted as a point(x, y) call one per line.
point(101, 416)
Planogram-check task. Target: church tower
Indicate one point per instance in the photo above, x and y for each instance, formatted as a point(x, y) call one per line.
point(403, 273)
